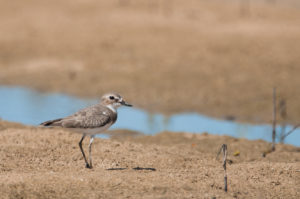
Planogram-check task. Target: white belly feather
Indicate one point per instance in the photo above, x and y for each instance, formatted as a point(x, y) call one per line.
point(91, 131)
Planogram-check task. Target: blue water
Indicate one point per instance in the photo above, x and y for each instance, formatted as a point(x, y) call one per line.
point(31, 108)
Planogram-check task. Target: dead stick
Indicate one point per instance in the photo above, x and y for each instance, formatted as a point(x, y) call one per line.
point(224, 149)
point(283, 115)
point(291, 131)
point(224, 166)
point(274, 120)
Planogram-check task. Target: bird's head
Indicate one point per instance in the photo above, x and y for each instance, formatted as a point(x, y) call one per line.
point(113, 99)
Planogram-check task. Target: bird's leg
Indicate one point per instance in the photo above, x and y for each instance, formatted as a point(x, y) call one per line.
point(80, 145)
point(90, 150)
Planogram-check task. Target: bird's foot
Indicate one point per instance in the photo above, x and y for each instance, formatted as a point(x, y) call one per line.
point(87, 165)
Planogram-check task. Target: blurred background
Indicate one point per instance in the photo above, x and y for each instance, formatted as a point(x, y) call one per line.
point(219, 58)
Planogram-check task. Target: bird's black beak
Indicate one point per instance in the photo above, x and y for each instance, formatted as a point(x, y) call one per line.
point(125, 103)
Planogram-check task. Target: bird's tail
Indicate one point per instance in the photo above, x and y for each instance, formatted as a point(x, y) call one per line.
point(52, 122)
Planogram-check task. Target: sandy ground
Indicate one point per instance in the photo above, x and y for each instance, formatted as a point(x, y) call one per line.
point(163, 55)
point(47, 163)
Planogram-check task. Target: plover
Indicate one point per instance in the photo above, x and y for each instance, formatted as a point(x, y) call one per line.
point(92, 120)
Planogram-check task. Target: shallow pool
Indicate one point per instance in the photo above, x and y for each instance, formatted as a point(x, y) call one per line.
point(30, 107)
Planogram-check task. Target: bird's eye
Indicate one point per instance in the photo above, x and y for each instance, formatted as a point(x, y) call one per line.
point(111, 97)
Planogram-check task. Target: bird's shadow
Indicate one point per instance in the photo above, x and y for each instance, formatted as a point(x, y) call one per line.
point(143, 168)
point(135, 168)
point(116, 169)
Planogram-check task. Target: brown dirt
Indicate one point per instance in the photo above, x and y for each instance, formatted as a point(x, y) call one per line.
point(167, 56)
point(47, 163)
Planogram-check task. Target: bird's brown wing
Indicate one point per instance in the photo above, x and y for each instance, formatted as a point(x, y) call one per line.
point(91, 117)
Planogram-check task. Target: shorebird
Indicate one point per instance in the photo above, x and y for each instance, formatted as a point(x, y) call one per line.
point(91, 120)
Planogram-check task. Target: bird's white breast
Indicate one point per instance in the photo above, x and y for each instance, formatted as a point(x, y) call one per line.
point(112, 108)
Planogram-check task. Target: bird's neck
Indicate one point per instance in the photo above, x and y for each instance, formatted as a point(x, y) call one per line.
point(112, 108)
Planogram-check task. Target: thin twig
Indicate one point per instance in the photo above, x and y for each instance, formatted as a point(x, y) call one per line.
point(219, 152)
point(224, 149)
point(283, 115)
point(291, 131)
point(274, 120)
